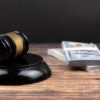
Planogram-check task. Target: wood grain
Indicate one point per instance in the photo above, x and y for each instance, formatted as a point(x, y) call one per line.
point(64, 84)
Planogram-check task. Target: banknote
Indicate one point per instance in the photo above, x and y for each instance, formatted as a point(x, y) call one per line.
point(81, 54)
point(58, 53)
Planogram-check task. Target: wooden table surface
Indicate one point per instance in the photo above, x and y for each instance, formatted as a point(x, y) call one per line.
point(64, 84)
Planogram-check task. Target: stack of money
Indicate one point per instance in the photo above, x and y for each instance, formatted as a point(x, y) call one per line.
point(85, 56)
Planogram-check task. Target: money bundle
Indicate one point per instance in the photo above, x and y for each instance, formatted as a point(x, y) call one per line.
point(85, 56)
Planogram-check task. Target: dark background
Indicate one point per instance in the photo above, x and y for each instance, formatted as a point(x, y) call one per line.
point(52, 20)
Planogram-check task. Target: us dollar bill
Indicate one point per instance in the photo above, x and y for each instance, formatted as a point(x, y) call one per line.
point(58, 53)
point(81, 54)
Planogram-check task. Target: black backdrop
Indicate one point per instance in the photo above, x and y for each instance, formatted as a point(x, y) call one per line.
point(52, 20)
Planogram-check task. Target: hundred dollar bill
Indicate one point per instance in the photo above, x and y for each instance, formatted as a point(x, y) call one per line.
point(81, 54)
point(58, 53)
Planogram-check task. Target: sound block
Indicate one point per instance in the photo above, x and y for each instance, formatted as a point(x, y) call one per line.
point(29, 68)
